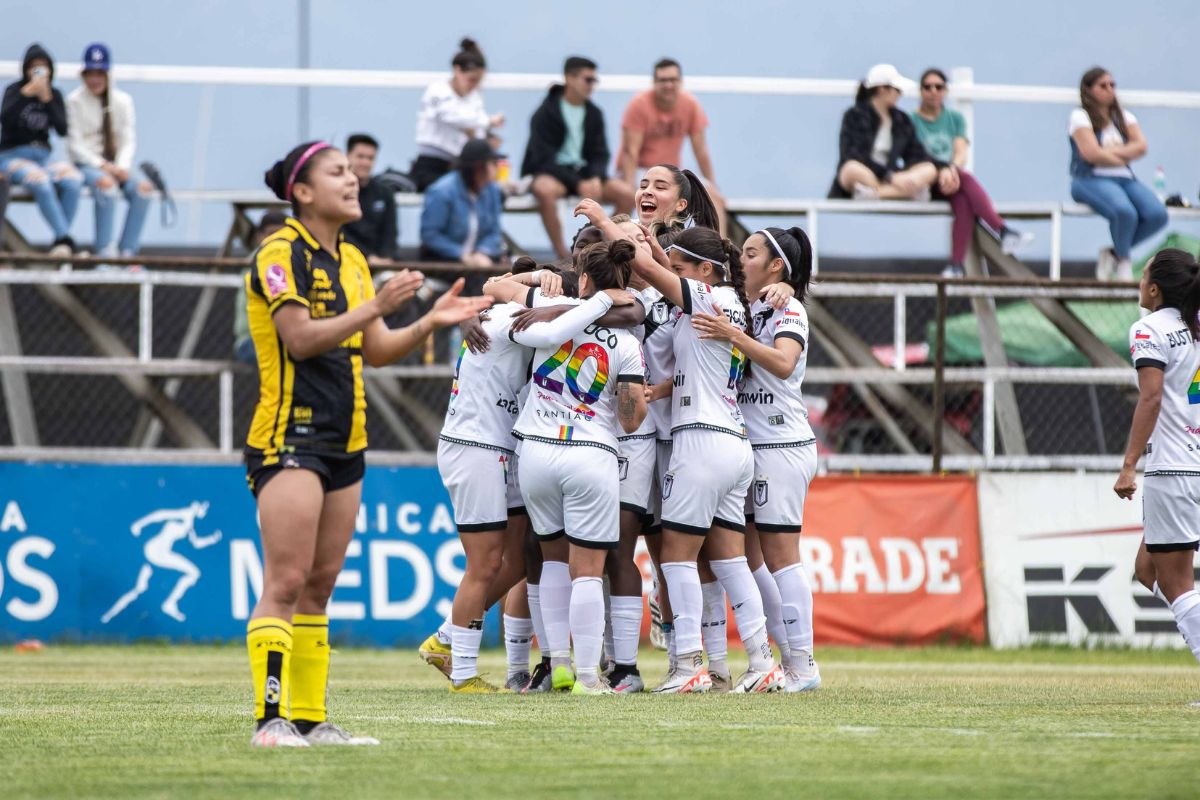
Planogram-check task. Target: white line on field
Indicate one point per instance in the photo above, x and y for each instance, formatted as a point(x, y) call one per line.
point(452, 721)
point(1021, 666)
point(857, 729)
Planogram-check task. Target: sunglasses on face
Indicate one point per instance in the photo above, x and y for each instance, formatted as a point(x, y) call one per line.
point(934, 87)
point(1107, 85)
point(591, 81)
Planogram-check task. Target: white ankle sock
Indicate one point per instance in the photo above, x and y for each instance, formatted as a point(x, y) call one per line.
point(626, 628)
point(587, 624)
point(772, 610)
point(464, 651)
point(534, 593)
point(609, 648)
point(556, 609)
point(735, 577)
point(444, 631)
point(713, 626)
point(687, 604)
point(1186, 609)
point(1157, 592)
point(796, 592)
point(518, 631)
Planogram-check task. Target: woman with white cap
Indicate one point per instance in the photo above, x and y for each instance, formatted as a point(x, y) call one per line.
point(101, 141)
point(880, 156)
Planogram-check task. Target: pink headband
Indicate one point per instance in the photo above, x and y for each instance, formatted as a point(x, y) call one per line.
point(316, 148)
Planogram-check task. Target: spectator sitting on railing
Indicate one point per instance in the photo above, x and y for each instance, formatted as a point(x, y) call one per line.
point(880, 156)
point(451, 112)
point(1104, 140)
point(243, 344)
point(568, 153)
point(943, 133)
point(375, 233)
point(461, 217)
point(101, 141)
point(31, 107)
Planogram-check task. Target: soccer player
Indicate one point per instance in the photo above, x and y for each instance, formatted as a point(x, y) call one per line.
point(785, 457)
point(669, 197)
point(582, 386)
point(315, 318)
point(704, 490)
point(1166, 355)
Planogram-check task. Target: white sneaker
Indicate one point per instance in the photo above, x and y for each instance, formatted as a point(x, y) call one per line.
point(1106, 263)
point(795, 681)
point(1011, 241)
point(864, 192)
point(328, 733)
point(756, 682)
point(1124, 271)
point(690, 679)
point(278, 732)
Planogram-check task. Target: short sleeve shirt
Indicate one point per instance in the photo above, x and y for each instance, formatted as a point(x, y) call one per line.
point(1162, 341)
point(663, 131)
point(1108, 137)
point(938, 136)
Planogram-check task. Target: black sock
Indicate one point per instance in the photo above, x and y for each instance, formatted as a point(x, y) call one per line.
point(304, 726)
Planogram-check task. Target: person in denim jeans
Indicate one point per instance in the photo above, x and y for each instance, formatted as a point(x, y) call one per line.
point(1105, 139)
point(31, 107)
point(101, 141)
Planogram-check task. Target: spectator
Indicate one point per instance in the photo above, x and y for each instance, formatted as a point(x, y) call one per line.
point(1104, 140)
point(943, 134)
point(654, 126)
point(375, 232)
point(3, 206)
point(880, 156)
point(461, 217)
point(451, 112)
point(568, 150)
point(243, 343)
point(31, 107)
point(101, 141)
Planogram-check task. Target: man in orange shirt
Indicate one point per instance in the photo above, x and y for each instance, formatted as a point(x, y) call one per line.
point(655, 124)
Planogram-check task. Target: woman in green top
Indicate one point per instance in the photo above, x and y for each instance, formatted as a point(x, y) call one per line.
point(943, 132)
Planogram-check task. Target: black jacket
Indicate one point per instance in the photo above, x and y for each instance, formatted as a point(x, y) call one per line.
point(375, 233)
point(547, 132)
point(27, 120)
point(860, 124)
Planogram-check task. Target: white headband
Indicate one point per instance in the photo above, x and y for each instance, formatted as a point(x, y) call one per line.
point(697, 256)
point(787, 265)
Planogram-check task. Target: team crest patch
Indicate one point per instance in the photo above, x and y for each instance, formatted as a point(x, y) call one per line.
point(623, 467)
point(668, 483)
point(760, 493)
point(271, 693)
point(277, 281)
point(659, 313)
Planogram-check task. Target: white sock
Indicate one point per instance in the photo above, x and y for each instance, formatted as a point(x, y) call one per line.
point(735, 577)
point(587, 624)
point(713, 627)
point(464, 651)
point(518, 631)
point(444, 632)
point(773, 610)
point(687, 603)
point(1157, 592)
point(1186, 609)
point(556, 610)
point(533, 592)
point(626, 628)
point(609, 646)
point(796, 592)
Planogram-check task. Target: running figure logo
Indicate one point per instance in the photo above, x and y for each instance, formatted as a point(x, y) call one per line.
point(177, 524)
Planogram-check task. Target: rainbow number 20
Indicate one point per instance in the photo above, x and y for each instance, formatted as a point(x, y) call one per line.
point(575, 361)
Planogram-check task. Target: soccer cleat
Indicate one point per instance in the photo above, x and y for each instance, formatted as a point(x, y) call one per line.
point(599, 687)
point(278, 732)
point(328, 733)
point(688, 677)
point(436, 654)
point(517, 681)
point(626, 680)
point(562, 678)
point(539, 681)
point(755, 682)
point(721, 682)
point(475, 685)
point(794, 681)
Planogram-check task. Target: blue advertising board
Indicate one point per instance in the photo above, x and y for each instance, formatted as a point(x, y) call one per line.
point(120, 553)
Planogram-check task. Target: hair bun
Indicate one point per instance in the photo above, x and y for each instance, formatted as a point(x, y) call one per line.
point(469, 45)
point(524, 264)
point(621, 250)
point(276, 181)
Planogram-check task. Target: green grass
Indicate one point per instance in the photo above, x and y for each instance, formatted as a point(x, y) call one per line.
point(162, 721)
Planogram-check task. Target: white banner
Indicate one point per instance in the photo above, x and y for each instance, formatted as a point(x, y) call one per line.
point(1058, 552)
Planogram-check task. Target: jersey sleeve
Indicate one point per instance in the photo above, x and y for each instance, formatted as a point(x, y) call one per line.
point(633, 362)
point(276, 276)
point(365, 289)
point(1147, 347)
point(790, 323)
point(697, 297)
point(568, 325)
point(535, 299)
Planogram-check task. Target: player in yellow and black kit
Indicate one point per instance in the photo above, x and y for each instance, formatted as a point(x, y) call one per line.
point(315, 320)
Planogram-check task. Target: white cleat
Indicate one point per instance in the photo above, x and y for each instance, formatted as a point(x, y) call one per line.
point(627, 681)
point(690, 679)
point(328, 733)
point(278, 732)
point(794, 681)
point(755, 682)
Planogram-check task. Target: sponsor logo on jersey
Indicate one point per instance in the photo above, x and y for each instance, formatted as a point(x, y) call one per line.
point(760, 397)
point(277, 280)
point(1139, 335)
point(775, 419)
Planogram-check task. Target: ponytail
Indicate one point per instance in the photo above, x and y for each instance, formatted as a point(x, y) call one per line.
point(1177, 276)
point(863, 94)
point(701, 209)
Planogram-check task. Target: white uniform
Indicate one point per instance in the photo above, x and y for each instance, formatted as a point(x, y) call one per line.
point(476, 449)
point(785, 453)
point(711, 461)
point(658, 345)
point(1171, 499)
point(636, 451)
point(569, 472)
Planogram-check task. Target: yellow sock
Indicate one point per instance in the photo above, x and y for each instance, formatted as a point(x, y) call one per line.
point(269, 640)
point(310, 666)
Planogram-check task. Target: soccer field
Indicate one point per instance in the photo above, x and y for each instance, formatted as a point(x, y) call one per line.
point(172, 722)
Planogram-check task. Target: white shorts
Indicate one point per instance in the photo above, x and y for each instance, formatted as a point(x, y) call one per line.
point(781, 477)
point(662, 463)
point(516, 503)
point(635, 464)
point(1171, 512)
point(707, 481)
point(478, 480)
point(572, 490)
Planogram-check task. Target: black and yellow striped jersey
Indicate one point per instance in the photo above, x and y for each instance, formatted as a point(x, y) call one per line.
point(316, 405)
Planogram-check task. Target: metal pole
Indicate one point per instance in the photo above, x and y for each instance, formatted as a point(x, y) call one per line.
point(939, 377)
point(145, 320)
point(899, 331)
point(964, 78)
point(304, 61)
point(1056, 244)
point(811, 213)
point(225, 423)
point(989, 421)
